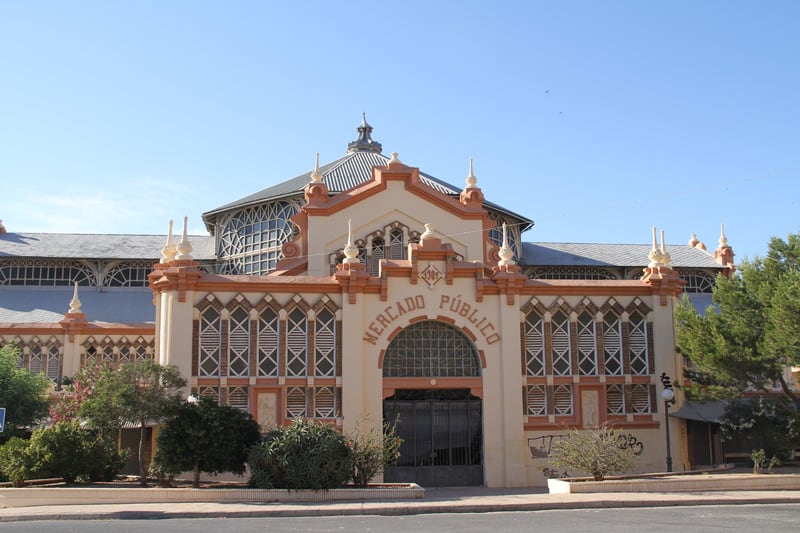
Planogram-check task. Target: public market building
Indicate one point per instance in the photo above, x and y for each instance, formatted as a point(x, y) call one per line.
point(367, 289)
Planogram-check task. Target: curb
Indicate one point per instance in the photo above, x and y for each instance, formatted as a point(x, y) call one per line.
point(359, 508)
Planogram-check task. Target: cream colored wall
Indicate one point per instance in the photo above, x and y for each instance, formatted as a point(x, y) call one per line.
point(327, 234)
point(497, 337)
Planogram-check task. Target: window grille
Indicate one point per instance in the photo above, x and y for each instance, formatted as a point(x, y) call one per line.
point(250, 240)
point(396, 246)
point(430, 348)
point(140, 349)
point(534, 345)
point(296, 343)
point(640, 398)
point(562, 357)
point(536, 400)
point(638, 343)
point(35, 360)
point(210, 342)
point(612, 344)
point(128, 274)
point(209, 392)
point(325, 344)
point(239, 398)
point(325, 404)
point(239, 342)
point(46, 273)
point(562, 399)
point(90, 351)
point(698, 281)
point(378, 253)
point(295, 402)
point(53, 360)
point(268, 343)
point(587, 353)
point(615, 400)
point(125, 354)
point(108, 352)
point(564, 272)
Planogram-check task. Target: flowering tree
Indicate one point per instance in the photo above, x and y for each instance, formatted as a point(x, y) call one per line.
point(82, 386)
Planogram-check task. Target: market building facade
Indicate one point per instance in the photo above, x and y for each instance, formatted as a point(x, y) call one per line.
point(367, 290)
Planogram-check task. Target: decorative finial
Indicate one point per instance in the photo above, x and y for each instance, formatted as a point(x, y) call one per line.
point(184, 247)
point(350, 249)
point(364, 142)
point(723, 240)
point(665, 257)
point(506, 253)
point(472, 180)
point(168, 250)
point(427, 234)
point(694, 241)
point(655, 255)
point(395, 159)
point(2, 228)
point(316, 175)
point(75, 303)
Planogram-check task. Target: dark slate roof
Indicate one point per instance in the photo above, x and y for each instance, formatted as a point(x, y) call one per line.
point(609, 255)
point(345, 173)
point(25, 305)
point(95, 246)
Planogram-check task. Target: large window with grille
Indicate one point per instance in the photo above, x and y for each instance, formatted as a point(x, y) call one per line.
point(239, 342)
point(431, 348)
point(534, 345)
point(210, 349)
point(267, 342)
point(543, 400)
point(639, 354)
point(587, 346)
point(629, 399)
point(46, 273)
point(249, 241)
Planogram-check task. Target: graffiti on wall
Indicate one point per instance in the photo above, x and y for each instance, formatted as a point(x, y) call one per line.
point(540, 447)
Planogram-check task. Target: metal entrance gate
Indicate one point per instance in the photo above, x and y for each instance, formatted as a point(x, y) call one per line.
point(442, 437)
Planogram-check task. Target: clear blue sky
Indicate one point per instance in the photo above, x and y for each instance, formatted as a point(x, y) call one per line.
point(596, 119)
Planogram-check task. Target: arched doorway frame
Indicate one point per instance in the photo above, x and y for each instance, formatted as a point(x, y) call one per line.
point(474, 384)
point(444, 433)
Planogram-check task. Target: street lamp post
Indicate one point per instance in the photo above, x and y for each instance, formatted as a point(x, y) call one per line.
point(668, 395)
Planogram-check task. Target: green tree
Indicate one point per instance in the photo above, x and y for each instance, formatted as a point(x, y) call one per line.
point(143, 393)
point(23, 394)
point(596, 451)
point(206, 437)
point(747, 342)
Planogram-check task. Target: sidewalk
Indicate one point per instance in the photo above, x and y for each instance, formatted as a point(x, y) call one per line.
point(437, 500)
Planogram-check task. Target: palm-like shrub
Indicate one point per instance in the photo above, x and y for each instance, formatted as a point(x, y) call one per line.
point(302, 455)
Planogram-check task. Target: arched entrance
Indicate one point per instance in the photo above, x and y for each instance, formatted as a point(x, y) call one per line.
point(432, 384)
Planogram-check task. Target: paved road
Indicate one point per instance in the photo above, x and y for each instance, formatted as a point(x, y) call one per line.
point(739, 518)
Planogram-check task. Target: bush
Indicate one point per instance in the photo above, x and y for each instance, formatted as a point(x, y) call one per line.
point(70, 452)
point(594, 451)
point(303, 455)
point(372, 450)
point(205, 437)
point(15, 462)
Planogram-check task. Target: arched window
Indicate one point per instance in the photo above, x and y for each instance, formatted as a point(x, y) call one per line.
point(431, 348)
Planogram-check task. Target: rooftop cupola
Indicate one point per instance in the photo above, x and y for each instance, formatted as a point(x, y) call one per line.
point(364, 143)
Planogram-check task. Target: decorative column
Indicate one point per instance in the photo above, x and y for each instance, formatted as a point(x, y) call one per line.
point(73, 323)
point(173, 281)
